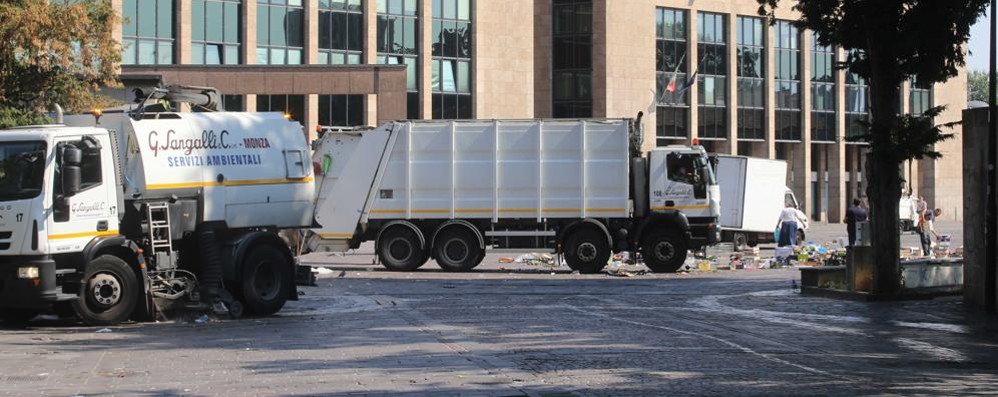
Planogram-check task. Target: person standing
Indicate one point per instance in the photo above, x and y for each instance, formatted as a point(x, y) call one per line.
point(854, 215)
point(927, 230)
point(789, 218)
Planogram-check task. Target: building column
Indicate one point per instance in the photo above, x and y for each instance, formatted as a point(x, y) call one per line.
point(311, 51)
point(769, 147)
point(369, 57)
point(249, 103)
point(820, 191)
point(732, 39)
point(804, 159)
point(248, 36)
point(311, 116)
point(837, 194)
point(182, 49)
point(426, 59)
point(693, 60)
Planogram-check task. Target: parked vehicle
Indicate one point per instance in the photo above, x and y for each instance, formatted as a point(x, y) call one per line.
point(753, 192)
point(449, 190)
point(120, 214)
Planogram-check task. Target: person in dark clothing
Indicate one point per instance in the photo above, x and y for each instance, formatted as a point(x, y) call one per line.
point(854, 214)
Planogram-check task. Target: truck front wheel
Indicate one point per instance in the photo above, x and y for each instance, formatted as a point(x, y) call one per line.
point(664, 252)
point(399, 250)
point(587, 251)
point(266, 280)
point(457, 249)
point(108, 293)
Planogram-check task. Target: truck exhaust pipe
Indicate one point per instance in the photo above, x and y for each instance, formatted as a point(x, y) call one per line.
point(57, 109)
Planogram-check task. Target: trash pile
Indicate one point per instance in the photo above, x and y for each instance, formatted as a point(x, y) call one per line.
point(533, 259)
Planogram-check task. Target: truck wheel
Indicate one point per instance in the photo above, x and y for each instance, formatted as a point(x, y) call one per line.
point(399, 250)
point(266, 280)
point(109, 292)
point(586, 251)
point(664, 252)
point(457, 249)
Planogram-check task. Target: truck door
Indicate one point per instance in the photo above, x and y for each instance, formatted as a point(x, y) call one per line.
point(678, 182)
point(92, 212)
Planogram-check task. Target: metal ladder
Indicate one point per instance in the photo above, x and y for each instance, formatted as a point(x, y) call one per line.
point(160, 237)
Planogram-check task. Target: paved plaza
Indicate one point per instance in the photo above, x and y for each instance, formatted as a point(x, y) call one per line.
point(519, 330)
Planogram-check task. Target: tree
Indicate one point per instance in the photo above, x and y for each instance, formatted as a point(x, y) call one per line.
point(55, 51)
point(977, 86)
point(895, 39)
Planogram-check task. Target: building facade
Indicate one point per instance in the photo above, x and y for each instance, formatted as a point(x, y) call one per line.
point(706, 70)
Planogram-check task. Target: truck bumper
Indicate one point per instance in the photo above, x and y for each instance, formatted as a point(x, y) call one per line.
point(34, 293)
point(704, 233)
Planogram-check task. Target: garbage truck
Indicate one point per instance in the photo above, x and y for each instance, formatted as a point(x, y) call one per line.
point(450, 190)
point(118, 215)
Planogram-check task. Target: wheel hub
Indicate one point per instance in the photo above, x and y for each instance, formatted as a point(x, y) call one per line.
point(586, 252)
point(105, 289)
point(664, 251)
point(265, 281)
point(400, 249)
point(456, 250)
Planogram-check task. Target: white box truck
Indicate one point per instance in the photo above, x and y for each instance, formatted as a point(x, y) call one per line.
point(114, 214)
point(753, 192)
point(447, 190)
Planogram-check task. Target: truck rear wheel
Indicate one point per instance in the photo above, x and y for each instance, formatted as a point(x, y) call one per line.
point(399, 250)
point(109, 292)
point(587, 251)
point(664, 252)
point(266, 280)
point(456, 249)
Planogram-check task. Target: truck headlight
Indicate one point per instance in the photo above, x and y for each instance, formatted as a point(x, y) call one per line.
point(29, 272)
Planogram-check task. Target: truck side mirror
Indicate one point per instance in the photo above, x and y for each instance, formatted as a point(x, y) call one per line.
point(71, 172)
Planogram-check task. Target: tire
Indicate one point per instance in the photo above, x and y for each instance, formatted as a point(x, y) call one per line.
point(586, 251)
point(740, 241)
point(664, 252)
point(266, 280)
point(456, 249)
point(399, 250)
point(109, 292)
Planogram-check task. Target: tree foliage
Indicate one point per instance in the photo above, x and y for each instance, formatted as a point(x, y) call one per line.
point(56, 51)
point(977, 86)
point(891, 41)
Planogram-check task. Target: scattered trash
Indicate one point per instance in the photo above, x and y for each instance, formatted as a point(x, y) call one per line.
point(620, 271)
point(505, 259)
point(343, 273)
point(323, 270)
point(104, 331)
point(202, 320)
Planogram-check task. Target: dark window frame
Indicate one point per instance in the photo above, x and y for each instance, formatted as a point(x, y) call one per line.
point(406, 12)
point(824, 79)
point(462, 54)
point(672, 109)
point(351, 13)
point(787, 72)
point(751, 110)
point(201, 44)
point(264, 9)
point(571, 73)
point(712, 54)
point(163, 39)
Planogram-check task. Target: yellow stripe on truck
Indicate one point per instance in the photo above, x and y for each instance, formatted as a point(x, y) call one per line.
point(108, 233)
point(246, 182)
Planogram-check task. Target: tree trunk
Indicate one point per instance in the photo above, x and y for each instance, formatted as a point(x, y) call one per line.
point(884, 188)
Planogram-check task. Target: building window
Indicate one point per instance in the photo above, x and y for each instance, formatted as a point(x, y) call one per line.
point(572, 64)
point(787, 65)
point(919, 97)
point(147, 32)
point(215, 27)
point(341, 110)
point(341, 32)
point(673, 105)
point(293, 105)
point(452, 53)
point(398, 44)
point(233, 103)
point(857, 104)
point(280, 31)
point(751, 79)
point(822, 92)
point(712, 53)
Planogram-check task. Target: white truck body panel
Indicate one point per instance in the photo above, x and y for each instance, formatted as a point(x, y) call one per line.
point(249, 169)
point(506, 169)
point(752, 192)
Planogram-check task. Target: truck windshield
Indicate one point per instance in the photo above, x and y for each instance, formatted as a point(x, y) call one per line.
point(22, 169)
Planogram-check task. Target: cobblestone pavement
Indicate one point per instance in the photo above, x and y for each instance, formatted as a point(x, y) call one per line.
point(517, 330)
